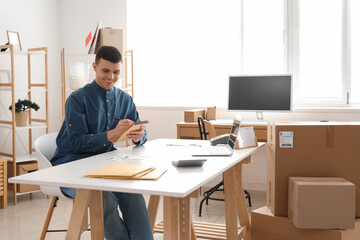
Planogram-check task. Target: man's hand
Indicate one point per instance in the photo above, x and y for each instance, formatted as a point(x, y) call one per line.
point(123, 124)
point(136, 136)
point(120, 127)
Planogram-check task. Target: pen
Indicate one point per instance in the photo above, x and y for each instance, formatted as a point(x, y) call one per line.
point(117, 118)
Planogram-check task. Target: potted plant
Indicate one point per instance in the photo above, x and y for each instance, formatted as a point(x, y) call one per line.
point(21, 111)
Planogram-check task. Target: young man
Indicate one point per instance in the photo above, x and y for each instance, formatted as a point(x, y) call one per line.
point(90, 125)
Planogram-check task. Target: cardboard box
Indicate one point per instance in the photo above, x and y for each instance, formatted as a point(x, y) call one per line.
point(211, 113)
point(192, 115)
point(310, 149)
point(321, 203)
point(110, 37)
point(266, 226)
point(22, 168)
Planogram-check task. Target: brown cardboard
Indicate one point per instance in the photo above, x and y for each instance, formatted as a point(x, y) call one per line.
point(321, 203)
point(110, 37)
point(192, 115)
point(211, 113)
point(319, 150)
point(266, 226)
point(23, 168)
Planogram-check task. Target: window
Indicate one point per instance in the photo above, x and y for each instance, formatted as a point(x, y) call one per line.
point(318, 59)
point(355, 51)
point(184, 51)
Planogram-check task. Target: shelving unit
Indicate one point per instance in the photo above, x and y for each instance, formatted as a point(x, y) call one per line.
point(127, 73)
point(12, 155)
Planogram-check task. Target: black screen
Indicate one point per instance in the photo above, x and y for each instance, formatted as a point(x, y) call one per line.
point(260, 93)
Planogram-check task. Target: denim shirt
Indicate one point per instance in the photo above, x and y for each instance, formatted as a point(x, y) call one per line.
point(89, 114)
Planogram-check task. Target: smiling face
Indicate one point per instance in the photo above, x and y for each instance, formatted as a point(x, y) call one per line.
point(107, 73)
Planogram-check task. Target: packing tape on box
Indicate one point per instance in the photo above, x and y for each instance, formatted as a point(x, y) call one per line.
point(329, 143)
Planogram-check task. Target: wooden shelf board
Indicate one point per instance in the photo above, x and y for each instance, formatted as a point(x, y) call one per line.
point(23, 158)
point(30, 126)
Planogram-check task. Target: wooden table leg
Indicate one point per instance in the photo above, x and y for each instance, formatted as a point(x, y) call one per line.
point(96, 215)
point(77, 214)
point(230, 204)
point(177, 220)
point(185, 221)
point(152, 209)
point(241, 208)
point(171, 218)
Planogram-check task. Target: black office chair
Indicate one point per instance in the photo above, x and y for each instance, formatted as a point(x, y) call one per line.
point(207, 129)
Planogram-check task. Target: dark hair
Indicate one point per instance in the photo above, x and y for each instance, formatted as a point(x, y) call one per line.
point(109, 53)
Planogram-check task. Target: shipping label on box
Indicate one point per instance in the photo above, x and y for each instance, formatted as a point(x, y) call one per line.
point(286, 139)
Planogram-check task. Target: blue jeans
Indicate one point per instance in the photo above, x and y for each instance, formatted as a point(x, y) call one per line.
point(135, 222)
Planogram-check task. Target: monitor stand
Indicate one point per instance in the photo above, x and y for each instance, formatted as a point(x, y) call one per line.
point(259, 116)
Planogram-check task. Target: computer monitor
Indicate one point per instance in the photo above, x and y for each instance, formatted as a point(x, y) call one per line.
point(260, 93)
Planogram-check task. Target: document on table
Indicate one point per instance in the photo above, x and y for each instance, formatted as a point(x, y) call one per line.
point(127, 171)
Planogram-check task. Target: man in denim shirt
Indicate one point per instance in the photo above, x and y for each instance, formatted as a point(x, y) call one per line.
point(89, 127)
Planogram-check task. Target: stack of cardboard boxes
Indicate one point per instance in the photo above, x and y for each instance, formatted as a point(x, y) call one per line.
point(313, 182)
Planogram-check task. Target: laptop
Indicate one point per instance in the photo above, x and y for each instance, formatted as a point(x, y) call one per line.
point(225, 149)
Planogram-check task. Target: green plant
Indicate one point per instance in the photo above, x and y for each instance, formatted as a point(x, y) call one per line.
point(23, 105)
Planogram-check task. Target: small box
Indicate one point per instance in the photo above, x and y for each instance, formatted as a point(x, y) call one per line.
point(321, 203)
point(266, 226)
point(22, 168)
point(110, 37)
point(192, 115)
point(211, 113)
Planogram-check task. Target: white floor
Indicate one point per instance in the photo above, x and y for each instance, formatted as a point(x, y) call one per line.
point(24, 221)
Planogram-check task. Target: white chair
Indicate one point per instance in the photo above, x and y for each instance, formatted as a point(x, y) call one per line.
point(45, 147)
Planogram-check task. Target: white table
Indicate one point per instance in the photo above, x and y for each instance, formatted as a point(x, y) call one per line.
point(176, 186)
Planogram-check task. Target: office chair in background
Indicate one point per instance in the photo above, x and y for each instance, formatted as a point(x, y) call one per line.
point(45, 147)
point(207, 131)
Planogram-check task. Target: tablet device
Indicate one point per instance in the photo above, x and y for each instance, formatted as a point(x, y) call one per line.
point(188, 162)
point(133, 127)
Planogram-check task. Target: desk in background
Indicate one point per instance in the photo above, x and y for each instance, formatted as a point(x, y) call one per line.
point(190, 130)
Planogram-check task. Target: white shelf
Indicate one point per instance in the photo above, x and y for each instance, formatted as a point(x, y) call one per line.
point(126, 89)
point(24, 90)
point(23, 158)
point(22, 53)
point(90, 55)
point(80, 55)
point(30, 126)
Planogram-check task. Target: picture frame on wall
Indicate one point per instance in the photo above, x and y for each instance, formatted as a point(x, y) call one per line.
point(14, 38)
